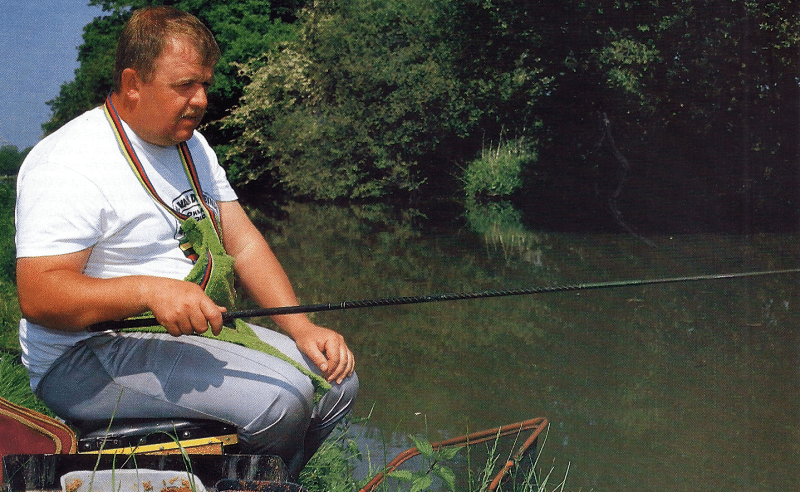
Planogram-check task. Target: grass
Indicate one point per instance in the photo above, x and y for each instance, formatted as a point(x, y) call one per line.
point(9, 307)
point(498, 170)
point(14, 384)
point(331, 469)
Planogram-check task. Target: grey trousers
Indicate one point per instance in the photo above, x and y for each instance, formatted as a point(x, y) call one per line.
point(148, 375)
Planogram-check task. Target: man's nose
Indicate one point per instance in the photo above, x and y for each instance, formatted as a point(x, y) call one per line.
point(200, 97)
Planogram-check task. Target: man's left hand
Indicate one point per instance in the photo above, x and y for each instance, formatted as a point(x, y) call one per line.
point(328, 350)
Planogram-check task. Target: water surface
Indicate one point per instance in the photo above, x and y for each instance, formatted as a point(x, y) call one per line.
point(683, 386)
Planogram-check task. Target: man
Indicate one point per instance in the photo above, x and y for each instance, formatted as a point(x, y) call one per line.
point(103, 209)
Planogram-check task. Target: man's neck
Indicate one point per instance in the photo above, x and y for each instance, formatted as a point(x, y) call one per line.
point(126, 109)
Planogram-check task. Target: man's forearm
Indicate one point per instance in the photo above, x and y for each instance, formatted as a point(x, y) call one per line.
point(55, 295)
point(71, 301)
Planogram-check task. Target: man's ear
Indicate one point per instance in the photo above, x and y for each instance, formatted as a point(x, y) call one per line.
point(130, 84)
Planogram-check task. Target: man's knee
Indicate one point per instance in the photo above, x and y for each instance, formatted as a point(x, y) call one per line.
point(349, 390)
point(337, 402)
point(280, 426)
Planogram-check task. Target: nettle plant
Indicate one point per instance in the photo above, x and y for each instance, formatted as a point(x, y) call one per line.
point(433, 467)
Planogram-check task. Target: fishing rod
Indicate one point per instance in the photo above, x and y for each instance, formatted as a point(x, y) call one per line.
point(397, 301)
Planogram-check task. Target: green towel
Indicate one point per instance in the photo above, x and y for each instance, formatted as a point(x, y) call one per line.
point(213, 269)
point(218, 282)
point(214, 272)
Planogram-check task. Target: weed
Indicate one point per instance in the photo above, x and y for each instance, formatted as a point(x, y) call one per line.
point(15, 386)
point(437, 467)
point(497, 172)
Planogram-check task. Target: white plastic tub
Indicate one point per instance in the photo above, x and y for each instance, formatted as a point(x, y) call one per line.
point(131, 480)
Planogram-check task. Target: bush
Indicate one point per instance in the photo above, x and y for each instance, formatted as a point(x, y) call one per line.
point(10, 160)
point(352, 107)
point(497, 172)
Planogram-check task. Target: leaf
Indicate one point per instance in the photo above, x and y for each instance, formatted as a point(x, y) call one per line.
point(404, 475)
point(447, 475)
point(421, 483)
point(449, 453)
point(423, 446)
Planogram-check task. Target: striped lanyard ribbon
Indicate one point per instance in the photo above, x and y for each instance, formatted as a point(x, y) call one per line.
point(136, 165)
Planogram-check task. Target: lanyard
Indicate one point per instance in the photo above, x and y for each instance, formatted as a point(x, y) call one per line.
point(206, 273)
point(136, 165)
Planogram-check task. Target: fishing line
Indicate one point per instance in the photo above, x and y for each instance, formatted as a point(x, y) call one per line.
point(397, 301)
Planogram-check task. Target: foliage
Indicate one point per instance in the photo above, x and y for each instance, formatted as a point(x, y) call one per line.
point(374, 94)
point(10, 160)
point(332, 466)
point(433, 466)
point(497, 172)
point(377, 97)
point(501, 61)
point(366, 98)
point(352, 106)
point(93, 77)
point(625, 62)
point(243, 29)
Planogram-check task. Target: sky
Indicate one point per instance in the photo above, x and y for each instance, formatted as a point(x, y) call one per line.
point(39, 42)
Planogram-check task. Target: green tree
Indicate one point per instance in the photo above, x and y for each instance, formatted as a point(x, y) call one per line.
point(93, 77)
point(713, 80)
point(10, 159)
point(375, 97)
point(243, 29)
point(363, 98)
point(722, 72)
point(349, 108)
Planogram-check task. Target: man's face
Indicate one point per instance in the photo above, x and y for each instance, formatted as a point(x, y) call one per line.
point(173, 102)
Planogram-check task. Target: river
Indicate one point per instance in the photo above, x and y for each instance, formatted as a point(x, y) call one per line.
point(687, 386)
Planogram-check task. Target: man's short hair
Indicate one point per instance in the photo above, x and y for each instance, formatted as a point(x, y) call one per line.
point(147, 33)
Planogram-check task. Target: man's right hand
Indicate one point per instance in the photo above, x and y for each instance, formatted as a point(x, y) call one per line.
point(54, 292)
point(185, 310)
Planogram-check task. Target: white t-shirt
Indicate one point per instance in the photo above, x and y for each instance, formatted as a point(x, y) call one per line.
point(75, 190)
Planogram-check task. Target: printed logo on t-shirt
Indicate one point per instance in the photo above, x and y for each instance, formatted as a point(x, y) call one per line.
point(187, 204)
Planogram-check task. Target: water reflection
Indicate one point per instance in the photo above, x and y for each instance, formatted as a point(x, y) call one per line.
point(664, 387)
point(501, 226)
